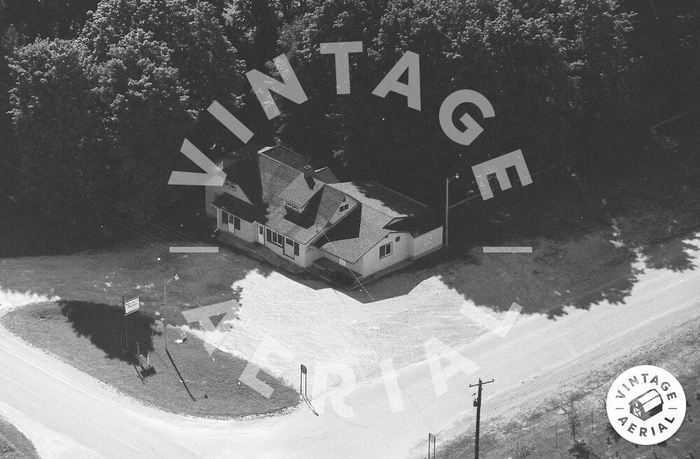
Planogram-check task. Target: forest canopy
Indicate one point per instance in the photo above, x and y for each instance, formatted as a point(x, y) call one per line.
point(97, 97)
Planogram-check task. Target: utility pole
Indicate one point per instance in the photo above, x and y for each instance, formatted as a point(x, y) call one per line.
point(447, 207)
point(477, 404)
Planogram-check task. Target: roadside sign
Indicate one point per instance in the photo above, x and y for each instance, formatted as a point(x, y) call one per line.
point(131, 305)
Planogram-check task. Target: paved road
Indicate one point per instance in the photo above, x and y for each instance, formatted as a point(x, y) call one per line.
point(68, 414)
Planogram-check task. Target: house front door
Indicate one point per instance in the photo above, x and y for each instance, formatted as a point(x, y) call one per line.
point(289, 248)
point(229, 219)
point(261, 234)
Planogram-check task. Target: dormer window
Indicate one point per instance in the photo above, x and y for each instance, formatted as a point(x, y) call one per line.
point(344, 207)
point(230, 185)
point(292, 206)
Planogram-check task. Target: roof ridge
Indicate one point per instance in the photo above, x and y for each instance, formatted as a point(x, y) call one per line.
point(399, 193)
point(393, 217)
point(280, 162)
point(262, 152)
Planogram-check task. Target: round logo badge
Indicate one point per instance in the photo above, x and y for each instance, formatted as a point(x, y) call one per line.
point(646, 405)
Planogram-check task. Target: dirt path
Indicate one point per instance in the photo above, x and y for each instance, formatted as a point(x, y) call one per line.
point(68, 414)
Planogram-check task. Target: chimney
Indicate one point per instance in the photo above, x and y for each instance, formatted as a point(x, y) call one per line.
point(309, 176)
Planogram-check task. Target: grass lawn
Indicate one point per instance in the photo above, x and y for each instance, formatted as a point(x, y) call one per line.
point(14, 445)
point(85, 327)
point(90, 337)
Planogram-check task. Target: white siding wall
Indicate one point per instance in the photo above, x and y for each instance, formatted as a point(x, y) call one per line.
point(311, 254)
point(247, 231)
point(427, 242)
point(399, 251)
point(357, 266)
point(296, 259)
point(210, 193)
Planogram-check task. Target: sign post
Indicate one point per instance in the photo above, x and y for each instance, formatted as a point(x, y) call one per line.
point(303, 379)
point(130, 306)
point(431, 446)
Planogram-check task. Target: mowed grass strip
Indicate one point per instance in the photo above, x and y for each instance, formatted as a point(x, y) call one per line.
point(90, 337)
point(13, 444)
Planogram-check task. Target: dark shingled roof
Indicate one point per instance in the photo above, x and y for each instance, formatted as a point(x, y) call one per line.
point(382, 199)
point(301, 190)
point(287, 157)
point(245, 173)
point(317, 215)
point(278, 174)
point(240, 208)
point(275, 177)
point(326, 175)
point(356, 234)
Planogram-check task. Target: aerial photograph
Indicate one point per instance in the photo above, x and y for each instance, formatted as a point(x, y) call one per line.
point(410, 229)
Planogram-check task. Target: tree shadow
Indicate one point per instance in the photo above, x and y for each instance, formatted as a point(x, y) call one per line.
point(104, 326)
point(590, 246)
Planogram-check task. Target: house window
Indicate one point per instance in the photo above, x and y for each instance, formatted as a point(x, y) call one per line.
point(344, 207)
point(292, 206)
point(385, 250)
point(296, 249)
point(230, 185)
point(231, 220)
point(398, 238)
point(275, 238)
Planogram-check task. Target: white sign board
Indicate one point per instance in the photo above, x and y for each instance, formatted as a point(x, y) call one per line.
point(131, 305)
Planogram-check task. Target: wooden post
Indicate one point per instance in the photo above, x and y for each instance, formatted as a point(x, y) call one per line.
point(447, 212)
point(431, 442)
point(165, 308)
point(303, 380)
point(126, 339)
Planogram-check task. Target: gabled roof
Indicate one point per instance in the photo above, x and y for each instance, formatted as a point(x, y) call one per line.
point(316, 217)
point(244, 172)
point(325, 175)
point(275, 177)
point(361, 230)
point(302, 188)
point(381, 212)
point(240, 208)
point(382, 199)
point(278, 174)
point(286, 156)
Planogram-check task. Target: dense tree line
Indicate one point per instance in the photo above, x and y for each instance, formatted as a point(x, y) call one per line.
point(96, 97)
